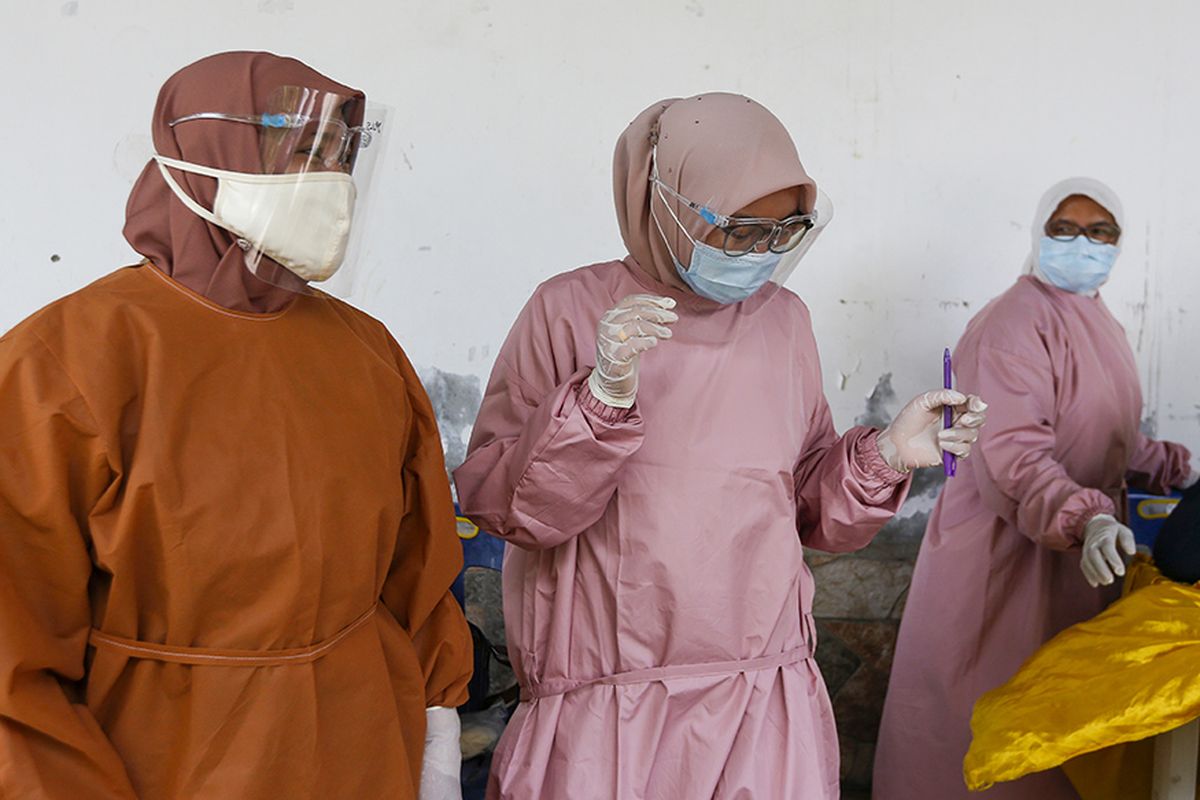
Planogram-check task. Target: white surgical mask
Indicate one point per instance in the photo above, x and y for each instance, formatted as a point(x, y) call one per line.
point(714, 274)
point(724, 278)
point(300, 220)
point(1078, 265)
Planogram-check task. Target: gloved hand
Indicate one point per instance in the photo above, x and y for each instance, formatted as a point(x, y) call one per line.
point(1194, 478)
point(1100, 557)
point(442, 767)
point(916, 438)
point(627, 330)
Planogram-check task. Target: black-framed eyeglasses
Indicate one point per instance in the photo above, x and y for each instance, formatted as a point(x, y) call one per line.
point(1099, 233)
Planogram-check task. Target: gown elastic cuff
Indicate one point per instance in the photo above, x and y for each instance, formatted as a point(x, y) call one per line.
point(1076, 528)
point(873, 464)
point(594, 407)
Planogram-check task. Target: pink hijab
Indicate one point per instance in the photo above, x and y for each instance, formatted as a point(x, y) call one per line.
point(722, 150)
point(194, 252)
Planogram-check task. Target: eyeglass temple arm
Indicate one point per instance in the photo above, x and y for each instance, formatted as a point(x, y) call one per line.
point(265, 120)
point(706, 213)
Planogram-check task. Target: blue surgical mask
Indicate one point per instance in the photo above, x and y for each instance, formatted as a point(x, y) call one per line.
point(724, 278)
point(1077, 265)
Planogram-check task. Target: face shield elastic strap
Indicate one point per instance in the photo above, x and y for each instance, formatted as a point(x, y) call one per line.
point(657, 183)
point(663, 234)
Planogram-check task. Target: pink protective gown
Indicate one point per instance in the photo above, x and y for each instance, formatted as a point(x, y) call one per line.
point(998, 572)
point(657, 600)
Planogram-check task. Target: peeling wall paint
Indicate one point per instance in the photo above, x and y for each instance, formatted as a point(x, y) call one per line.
point(882, 404)
point(880, 408)
point(456, 400)
point(519, 108)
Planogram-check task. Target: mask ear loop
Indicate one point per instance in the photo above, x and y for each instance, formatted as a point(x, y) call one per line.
point(188, 201)
point(657, 184)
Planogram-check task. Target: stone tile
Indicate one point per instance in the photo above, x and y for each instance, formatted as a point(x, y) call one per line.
point(837, 662)
point(872, 641)
point(817, 558)
point(858, 761)
point(900, 539)
point(898, 611)
point(858, 701)
point(859, 588)
point(485, 609)
point(484, 602)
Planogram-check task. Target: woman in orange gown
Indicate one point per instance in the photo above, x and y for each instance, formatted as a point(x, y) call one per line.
point(226, 532)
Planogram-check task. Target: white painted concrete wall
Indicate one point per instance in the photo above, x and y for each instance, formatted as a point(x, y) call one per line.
point(934, 125)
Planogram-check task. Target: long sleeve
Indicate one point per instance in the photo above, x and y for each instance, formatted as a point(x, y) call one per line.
point(428, 558)
point(1019, 477)
point(845, 491)
point(54, 470)
point(545, 454)
point(1159, 466)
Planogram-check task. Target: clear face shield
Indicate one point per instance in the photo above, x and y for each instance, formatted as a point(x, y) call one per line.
point(742, 236)
point(822, 214)
point(300, 220)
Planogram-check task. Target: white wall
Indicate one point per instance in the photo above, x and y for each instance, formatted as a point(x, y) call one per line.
point(934, 126)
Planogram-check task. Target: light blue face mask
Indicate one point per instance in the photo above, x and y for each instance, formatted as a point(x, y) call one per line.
point(724, 278)
point(1077, 265)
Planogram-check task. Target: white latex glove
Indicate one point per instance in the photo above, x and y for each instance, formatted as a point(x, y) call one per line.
point(630, 328)
point(1194, 478)
point(442, 767)
point(916, 438)
point(1100, 557)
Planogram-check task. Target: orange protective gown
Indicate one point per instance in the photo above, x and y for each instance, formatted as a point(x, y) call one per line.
point(226, 542)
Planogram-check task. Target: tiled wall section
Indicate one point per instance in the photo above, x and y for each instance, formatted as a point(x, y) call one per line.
point(859, 599)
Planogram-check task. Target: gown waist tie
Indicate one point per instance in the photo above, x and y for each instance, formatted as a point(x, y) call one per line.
point(201, 656)
point(557, 686)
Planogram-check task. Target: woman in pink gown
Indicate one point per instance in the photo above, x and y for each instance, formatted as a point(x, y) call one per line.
point(657, 602)
point(999, 570)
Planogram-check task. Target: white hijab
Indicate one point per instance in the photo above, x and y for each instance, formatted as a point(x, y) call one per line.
point(1052, 199)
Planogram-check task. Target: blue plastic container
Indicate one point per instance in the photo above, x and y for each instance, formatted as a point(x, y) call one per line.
point(1146, 515)
point(480, 549)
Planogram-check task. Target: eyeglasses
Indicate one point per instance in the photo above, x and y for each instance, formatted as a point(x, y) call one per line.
point(743, 235)
point(1101, 233)
point(325, 140)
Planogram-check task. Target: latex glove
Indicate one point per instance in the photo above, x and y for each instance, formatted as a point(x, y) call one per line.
point(442, 768)
point(628, 329)
point(1101, 560)
point(916, 438)
point(1194, 478)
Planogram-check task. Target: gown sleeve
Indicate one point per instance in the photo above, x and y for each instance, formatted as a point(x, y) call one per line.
point(1159, 466)
point(428, 558)
point(54, 470)
point(1020, 480)
point(545, 454)
point(845, 491)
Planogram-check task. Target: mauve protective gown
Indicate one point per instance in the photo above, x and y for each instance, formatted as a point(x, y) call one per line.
point(656, 596)
point(998, 572)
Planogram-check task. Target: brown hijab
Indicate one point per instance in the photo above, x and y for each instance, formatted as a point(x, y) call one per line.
point(194, 252)
point(722, 150)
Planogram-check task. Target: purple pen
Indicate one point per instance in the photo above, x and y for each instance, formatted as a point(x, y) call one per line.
point(949, 461)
